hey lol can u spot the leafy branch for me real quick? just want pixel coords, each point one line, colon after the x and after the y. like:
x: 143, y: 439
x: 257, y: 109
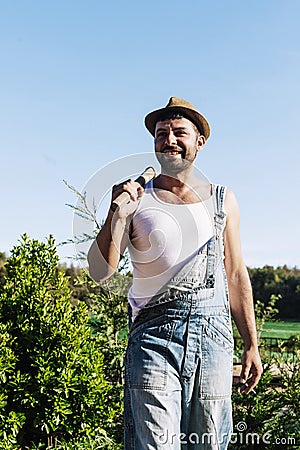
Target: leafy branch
x: 84, y: 211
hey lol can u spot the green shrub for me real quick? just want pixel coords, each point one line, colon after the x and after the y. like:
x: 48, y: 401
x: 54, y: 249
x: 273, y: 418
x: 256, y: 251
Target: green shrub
x: 269, y: 418
x: 52, y: 382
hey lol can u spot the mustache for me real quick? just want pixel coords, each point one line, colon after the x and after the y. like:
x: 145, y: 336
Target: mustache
x: 174, y: 148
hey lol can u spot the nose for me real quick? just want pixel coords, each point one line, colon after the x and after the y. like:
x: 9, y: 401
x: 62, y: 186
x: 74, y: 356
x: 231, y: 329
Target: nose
x: 171, y: 138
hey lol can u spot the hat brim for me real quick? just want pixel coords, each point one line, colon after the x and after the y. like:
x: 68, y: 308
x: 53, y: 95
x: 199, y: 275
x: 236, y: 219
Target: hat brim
x: 195, y: 117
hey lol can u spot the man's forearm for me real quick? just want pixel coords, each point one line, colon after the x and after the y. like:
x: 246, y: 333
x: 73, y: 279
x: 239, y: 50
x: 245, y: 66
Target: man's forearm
x: 104, y: 254
x: 109, y: 245
x: 241, y: 303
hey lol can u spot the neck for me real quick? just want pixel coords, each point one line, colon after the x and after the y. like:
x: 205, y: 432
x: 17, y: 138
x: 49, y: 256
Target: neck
x: 178, y: 178
x: 175, y: 182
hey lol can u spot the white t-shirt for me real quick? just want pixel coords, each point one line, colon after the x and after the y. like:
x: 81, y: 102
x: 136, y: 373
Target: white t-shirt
x: 165, y: 237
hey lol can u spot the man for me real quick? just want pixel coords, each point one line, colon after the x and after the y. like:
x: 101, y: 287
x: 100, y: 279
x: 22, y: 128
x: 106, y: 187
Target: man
x: 188, y: 274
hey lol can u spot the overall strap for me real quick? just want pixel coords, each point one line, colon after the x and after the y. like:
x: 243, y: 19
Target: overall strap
x: 215, y: 245
x: 211, y: 257
x: 219, y: 192
x: 219, y: 197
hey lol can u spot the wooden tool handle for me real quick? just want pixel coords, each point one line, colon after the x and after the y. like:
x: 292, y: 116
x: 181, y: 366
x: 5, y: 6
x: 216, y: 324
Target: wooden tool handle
x: 142, y: 179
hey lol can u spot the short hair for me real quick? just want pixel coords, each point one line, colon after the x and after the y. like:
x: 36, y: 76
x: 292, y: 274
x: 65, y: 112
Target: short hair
x: 168, y: 115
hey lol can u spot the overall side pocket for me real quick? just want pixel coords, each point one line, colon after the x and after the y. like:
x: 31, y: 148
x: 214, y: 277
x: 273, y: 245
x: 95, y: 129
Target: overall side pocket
x: 146, y: 356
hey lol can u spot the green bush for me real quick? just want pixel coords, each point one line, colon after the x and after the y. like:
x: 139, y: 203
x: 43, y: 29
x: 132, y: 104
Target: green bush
x: 269, y: 418
x: 52, y: 382
x: 109, y: 321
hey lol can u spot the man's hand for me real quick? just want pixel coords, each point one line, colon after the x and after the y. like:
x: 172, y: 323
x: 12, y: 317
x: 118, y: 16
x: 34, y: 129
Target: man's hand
x: 135, y: 192
x: 251, y: 370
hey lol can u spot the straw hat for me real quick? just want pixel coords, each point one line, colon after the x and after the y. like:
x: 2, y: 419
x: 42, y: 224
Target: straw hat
x: 178, y: 105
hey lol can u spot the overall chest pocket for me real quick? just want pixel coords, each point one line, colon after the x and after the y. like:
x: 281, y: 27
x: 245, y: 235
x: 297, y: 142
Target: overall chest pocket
x: 193, y: 274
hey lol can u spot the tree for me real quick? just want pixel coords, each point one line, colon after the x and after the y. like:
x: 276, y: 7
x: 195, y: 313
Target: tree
x: 2, y: 268
x: 52, y: 385
x: 283, y: 281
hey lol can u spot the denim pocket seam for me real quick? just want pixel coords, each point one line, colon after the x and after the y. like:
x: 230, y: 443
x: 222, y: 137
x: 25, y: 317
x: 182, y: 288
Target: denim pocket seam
x: 164, y: 373
x: 160, y: 320
x: 209, y: 389
x: 223, y: 340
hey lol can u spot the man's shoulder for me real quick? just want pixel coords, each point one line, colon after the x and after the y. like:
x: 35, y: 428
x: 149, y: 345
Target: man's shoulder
x: 230, y: 202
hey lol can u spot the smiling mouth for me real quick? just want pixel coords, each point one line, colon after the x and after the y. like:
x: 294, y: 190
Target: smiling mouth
x: 171, y: 152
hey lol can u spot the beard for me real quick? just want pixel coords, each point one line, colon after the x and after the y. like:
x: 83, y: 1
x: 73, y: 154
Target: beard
x: 175, y: 164
x: 172, y: 165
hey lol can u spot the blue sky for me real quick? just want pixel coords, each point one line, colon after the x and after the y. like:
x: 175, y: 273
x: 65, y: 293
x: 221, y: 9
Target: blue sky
x: 77, y: 79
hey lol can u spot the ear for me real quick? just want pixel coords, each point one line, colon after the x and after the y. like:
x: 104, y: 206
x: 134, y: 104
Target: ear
x: 200, y: 142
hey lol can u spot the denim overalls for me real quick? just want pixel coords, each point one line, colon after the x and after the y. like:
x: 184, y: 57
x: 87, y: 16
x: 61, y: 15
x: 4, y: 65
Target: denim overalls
x: 178, y: 369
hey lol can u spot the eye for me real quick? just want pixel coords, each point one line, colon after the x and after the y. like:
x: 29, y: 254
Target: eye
x: 161, y: 134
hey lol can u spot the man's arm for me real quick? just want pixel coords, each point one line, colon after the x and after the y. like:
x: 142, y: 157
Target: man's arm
x: 110, y: 243
x: 240, y: 293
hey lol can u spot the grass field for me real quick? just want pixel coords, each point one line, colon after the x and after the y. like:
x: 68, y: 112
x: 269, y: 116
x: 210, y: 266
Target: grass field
x: 280, y: 330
